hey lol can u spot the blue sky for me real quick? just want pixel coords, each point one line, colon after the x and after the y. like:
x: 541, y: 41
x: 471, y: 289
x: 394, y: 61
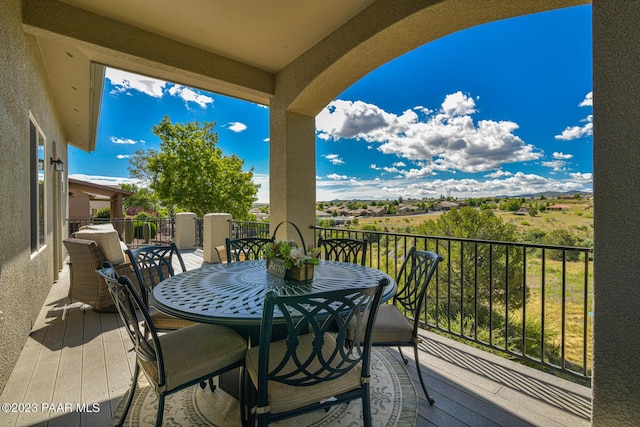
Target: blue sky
x: 499, y: 109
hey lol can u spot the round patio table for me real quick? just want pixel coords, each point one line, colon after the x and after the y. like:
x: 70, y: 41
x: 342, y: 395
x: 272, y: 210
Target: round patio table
x: 233, y: 294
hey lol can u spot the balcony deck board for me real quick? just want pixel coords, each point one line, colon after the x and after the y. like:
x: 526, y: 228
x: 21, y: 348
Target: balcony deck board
x: 75, y: 355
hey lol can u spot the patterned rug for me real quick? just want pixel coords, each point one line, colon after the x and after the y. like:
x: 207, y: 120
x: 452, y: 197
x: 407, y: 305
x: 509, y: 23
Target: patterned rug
x: 393, y: 403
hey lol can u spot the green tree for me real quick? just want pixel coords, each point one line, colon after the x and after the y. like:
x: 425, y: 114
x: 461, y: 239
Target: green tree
x: 190, y: 171
x: 143, y: 198
x: 511, y: 205
x: 488, y: 279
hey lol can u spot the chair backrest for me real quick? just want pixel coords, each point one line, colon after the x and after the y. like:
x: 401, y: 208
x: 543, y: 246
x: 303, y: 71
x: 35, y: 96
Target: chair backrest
x: 344, y: 249
x: 134, y: 314
x: 222, y: 254
x: 247, y: 248
x: 152, y: 264
x: 413, y: 279
x: 320, y: 319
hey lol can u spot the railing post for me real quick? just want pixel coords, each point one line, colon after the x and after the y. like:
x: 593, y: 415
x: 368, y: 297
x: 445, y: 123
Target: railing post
x: 216, y: 230
x: 185, y: 230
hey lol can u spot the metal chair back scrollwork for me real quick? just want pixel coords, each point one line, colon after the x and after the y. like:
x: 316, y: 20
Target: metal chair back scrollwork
x: 247, y: 248
x: 153, y: 264
x: 316, y: 366
x: 344, y: 249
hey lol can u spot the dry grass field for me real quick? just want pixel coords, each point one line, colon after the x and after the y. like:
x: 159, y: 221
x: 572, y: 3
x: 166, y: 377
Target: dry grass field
x: 578, y: 219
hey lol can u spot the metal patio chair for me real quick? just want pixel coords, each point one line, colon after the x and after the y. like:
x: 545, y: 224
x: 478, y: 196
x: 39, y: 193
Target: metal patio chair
x: 246, y: 248
x: 392, y: 327
x: 344, y: 249
x: 315, y: 366
x: 177, y: 359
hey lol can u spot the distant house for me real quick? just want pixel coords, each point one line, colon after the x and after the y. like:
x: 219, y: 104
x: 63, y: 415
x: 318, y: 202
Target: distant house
x: 445, y: 206
x: 85, y: 198
x: 377, y: 211
x: 558, y: 207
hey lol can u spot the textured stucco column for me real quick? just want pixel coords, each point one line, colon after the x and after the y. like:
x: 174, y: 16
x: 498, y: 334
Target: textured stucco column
x: 616, y: 169
x: 185, y: 230
x: 215, y: 231
x: 292, y: 172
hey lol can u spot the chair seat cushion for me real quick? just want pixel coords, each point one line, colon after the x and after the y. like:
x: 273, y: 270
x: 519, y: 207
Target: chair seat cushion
x: 391, y: 326
x: 283, y: 397
x: 163, y: 321
x: 195, y: 352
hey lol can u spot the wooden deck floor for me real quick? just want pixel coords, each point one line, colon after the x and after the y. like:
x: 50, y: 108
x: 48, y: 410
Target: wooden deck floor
x: 76, y: 356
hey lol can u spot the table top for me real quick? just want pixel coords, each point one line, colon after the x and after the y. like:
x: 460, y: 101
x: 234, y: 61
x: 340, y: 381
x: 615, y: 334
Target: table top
x: 234, y: 293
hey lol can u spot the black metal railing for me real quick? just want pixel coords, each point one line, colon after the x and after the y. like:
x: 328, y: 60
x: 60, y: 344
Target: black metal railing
x: 531, y: 301
x: 134, y: 231
x: 243, y: 229
x: 199, y: 232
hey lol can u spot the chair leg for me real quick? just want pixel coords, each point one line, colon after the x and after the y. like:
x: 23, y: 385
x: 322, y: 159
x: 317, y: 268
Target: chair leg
x: 160, y: 410
x: 132, y: 391
x: 366, y: 405
x: 419, y: 368
x: 404, y: 359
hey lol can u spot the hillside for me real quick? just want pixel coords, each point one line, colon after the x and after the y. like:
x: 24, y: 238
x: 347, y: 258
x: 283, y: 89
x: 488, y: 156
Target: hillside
x: 578, y: 220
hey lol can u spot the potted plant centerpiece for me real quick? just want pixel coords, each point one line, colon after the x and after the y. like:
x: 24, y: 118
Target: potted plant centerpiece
x: 285, y: 258
x: 296, y: 262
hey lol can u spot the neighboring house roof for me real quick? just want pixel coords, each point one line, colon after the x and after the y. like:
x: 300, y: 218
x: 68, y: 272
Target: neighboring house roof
x: 559, y: 207
x: 96, y: 189
x: 100, y: 192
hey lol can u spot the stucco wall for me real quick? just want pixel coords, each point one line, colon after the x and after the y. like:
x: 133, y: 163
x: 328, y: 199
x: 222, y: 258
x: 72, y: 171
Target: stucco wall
x: 25, y: 278
x: 616, y: 110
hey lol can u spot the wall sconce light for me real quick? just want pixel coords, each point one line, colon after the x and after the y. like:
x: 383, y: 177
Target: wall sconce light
x: 59, y: 164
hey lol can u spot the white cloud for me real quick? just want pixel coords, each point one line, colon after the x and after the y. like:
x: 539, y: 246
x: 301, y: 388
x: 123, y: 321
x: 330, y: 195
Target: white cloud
x: 189, y: 95
x: 334, y: 159
x: 556, y: 165
x: 498, y: 174
x: 237, y: 127
x: 447, y: 140
x: 516, y: 184
x: 123, y: 156
x: 267, y: 139
x: 587, y: 101
x: 337, y: 177
x: 575, y: 132
x: 562, y: 156
x: 458, y: 104
x: 125, y: 82
x: 126, y: 141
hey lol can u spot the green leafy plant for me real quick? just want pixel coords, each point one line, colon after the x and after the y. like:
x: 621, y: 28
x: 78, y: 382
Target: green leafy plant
x: 292, y: 254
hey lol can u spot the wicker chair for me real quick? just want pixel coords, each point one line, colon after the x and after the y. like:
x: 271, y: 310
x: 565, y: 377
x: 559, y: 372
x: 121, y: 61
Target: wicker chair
x: 86, y: 285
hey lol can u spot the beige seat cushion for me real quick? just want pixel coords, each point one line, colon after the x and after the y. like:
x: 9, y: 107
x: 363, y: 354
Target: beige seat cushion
x: 108, y: 242
x: 391, y: 326
x: 193, y: 352
x: 164, y: 321
x: 283, y: 397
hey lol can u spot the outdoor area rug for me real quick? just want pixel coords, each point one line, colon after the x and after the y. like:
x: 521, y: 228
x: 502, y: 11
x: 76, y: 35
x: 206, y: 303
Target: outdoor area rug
x: 393, y: 403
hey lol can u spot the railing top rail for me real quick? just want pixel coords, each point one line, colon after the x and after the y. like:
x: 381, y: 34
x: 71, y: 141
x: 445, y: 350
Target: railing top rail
x: 457, y: 239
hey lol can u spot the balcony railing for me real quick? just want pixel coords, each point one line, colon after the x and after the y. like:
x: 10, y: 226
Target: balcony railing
x: 529, y: 301
x: 135, y: 232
